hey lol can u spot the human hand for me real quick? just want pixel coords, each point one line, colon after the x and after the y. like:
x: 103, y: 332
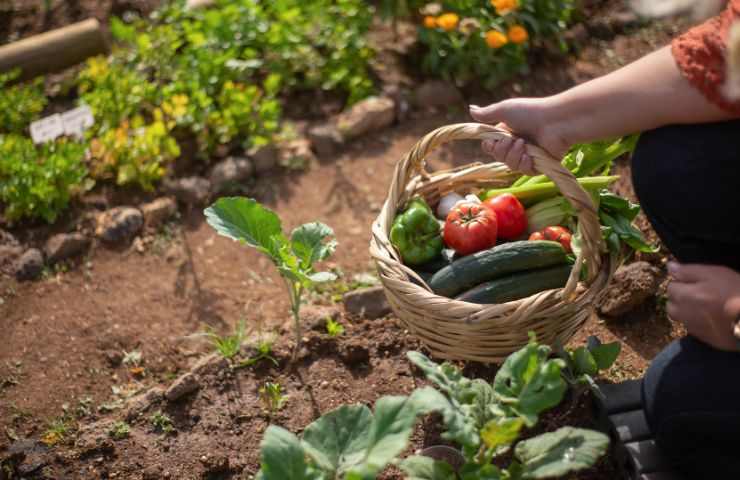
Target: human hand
x: 706, y: 299
x: 527, y: 118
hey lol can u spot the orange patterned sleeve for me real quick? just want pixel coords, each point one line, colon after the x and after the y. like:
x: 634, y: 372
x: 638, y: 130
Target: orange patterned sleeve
x: 700, y: 55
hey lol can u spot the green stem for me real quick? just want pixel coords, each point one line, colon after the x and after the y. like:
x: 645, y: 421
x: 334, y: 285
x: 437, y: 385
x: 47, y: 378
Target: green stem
x: 295, y: 307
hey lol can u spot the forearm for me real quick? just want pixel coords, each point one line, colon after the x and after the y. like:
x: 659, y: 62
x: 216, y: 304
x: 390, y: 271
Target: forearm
x: 643, y: 95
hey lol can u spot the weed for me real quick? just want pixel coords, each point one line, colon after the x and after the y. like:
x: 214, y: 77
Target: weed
x: 57, y: 431
x: 119, y: 430
x: 264, y: 352
x: 272, y: 397
x: 161, y: 422
x: 333, y: 328
x: 132, y: 358
x: 228, y: 346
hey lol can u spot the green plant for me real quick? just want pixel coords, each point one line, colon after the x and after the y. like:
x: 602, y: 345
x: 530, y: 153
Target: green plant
x: 132, y: 358
x: 272, y: 397
x: 584, y: 363
x: 19, y: 104
x: 264, y: 352
x: 334, y: 328
x: 119, y: 430
x: 38, y: 181
x: 228, y: 346
x: 57, y: 431
x: 487, y: 41
x: 161, y: 422
x: 486, y: 420
x: 249, y: 222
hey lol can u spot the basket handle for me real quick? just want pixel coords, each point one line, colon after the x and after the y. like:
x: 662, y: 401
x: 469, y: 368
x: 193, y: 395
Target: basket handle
x: 414, y: 162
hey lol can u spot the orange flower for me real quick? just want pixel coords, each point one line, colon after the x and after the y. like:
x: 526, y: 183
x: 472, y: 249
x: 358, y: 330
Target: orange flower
x: 496, y: 39
x: 505, y: 6
x: 518, y: 34
x: 430, y: 22
x: 448, y: 21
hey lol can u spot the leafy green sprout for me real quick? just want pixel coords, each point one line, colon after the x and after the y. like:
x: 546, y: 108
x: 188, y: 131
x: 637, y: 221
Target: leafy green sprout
x: 584, y: 363
x: 162, y: 422
x: 333, y: 328
x: 272, y: 396
x: 119, y: 430
x: 264, y: 352
x: 247, y: 221
x: 57, y: 431
x: 132, y: 358
x: 228, y: 346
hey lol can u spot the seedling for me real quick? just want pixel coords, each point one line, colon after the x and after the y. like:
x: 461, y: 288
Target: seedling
x: 132, y: 358
x: 162, y: 422
x: 264, y: 352
x: 584, y: 363
x: 247, y: 221
x: 229, y: 345
x: 57, y: 431
x: 484, y: 419
x: 272, y: 397
x: 119, y: 430
x: 334, y: 328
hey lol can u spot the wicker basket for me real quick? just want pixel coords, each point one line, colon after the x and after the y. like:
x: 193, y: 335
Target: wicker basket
x: 457, y: 330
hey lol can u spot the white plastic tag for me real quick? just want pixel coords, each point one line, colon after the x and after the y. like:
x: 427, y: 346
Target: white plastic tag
x: 47, y: 129
x: 78, y: 120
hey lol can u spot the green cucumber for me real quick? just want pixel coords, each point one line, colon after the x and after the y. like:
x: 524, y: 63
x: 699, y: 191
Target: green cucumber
x: 519, y: 285
x: 496, y: 262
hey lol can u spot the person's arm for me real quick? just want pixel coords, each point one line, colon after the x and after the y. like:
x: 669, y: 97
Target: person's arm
x: 643, y: 95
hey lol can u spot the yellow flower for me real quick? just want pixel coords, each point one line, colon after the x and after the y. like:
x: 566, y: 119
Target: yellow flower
x: 496, y: 39
x: 469, y: 25
x: 448, y: 21
x: 518, y: 34
x: 505, y: 6
x: 430, y: 21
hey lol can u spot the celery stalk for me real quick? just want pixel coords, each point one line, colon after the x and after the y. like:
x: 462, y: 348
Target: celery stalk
x: 531, y: 194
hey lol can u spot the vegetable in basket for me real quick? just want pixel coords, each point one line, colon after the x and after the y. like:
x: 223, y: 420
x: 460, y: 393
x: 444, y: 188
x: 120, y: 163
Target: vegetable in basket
x: 510, y: 215
x: 470, y: 227
x: 531, y: 194
x: 556, y: 234
x: 415, y: 233
x: 553, y: 211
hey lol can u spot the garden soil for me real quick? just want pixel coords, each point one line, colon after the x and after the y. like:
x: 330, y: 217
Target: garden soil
x: 64, y: 338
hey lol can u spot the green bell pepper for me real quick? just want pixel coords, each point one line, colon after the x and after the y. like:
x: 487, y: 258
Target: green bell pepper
x: 416, y: 233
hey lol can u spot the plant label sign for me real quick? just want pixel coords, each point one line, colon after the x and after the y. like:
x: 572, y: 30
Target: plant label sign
x: 78, y: 120
x: 47, y: 129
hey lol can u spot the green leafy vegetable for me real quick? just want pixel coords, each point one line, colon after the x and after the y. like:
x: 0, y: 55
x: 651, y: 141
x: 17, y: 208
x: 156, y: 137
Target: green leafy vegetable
x: 425, y: 468
x: 560, y: 452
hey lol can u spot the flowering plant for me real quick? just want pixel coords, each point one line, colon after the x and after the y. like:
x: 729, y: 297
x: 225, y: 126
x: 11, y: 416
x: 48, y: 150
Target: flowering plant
x: 487, y: 41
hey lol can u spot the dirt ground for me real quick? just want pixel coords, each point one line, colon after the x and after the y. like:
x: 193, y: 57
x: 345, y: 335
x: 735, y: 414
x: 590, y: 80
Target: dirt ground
x: 63, y: 336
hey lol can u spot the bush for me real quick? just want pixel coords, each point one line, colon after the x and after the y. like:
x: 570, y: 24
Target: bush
x: 19, y: 104
x: 488, y: 41
x: 39, y: 181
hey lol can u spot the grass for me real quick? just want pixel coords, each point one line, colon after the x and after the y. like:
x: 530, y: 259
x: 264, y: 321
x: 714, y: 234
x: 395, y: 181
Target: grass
x: 57, y: 431
x: 119, y: 430
x: 264, y: 352
x: 272, y: 396
x: 228, y: 346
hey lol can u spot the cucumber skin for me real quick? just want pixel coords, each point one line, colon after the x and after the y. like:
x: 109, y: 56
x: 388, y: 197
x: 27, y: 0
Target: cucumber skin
x: 520, y: 285
x: 496, y: 262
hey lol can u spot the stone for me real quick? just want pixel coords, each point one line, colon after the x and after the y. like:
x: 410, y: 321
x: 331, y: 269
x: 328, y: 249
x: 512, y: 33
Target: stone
x: 158, y: 211
x: 139, y: 404
x: 368, y: 302
x: 190, y: 190
x: 114, y: 357
x: 265, y: 158
x: 631, y: 286
x: 7, y: 238
x: 29, y: 265
x: 325, y: 139
x: 28, y: 456
x: 232, y: 171
x: 183, y: 385
x: 314, y: 317
x: 66, y: 245
x: 94, y: 439
x: 354, y: 351
x: 8, y: 255
x: 437, y: 94
x: 119, y: 224
x: 369, y: 115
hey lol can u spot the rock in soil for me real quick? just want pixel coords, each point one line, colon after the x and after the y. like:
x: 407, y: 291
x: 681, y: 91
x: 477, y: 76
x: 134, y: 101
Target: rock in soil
x: 139, y: 404
x: 367, y: 302
x: 210, y: 364
x: 314, y: 317
x: 94, y: 439
x: 29, y: 265
x: 369, y: 115
x: 158, y: 211
x: 119, y: 224
x: 190, y: 190
x: 182, y: 386
x: 325, y: 139
x: 437, y: 93
x: 27, y: 456
x: 8, y: 255
x: 231, y: 172
x: 7, y: 238
x: 632, y: 285
x: 354, y: 351
x: 265, y: 158
x: 66, y: 245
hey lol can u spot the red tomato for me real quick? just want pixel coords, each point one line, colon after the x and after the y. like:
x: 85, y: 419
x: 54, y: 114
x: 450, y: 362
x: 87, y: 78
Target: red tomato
x: 470, y: 227
x: 556, y: 234
x: 510, y: 215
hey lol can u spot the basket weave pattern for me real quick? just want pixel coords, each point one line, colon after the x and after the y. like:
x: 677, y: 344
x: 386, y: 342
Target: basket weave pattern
x: 457, y: 330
